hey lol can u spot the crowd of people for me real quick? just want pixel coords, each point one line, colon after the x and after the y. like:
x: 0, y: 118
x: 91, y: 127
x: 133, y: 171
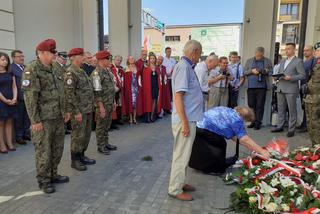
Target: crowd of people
x: 77, y: 92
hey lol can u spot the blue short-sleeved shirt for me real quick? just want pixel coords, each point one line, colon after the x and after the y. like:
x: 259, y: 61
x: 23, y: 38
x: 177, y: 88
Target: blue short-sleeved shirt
x: 223, y: 121
x: 184, y: 79
x: 237, y: 72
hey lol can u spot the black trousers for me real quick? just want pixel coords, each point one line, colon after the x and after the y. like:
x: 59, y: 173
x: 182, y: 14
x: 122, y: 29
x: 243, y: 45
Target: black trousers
x: 208, y: 152
x: 256, y: 101
x: 233, y: 97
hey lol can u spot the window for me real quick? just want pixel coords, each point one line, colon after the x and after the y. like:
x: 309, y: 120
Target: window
x: 290, y: 33
x: 172, y: 38
x: 290, y: 10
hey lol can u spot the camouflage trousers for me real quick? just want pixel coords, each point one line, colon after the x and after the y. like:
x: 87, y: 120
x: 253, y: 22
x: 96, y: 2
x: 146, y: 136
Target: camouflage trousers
x: 313, y: 121
x: 48, y: 145
x: 81, y: 133
x: 103, y: 125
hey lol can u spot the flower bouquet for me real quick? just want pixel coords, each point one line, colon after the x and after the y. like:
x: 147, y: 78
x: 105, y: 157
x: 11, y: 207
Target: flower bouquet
x: 285, y: 183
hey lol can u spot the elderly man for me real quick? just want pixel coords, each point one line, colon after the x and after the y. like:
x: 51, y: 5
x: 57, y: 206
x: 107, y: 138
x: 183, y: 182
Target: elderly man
x: 142, y: 62
x: 292, y: 71
x: 220, y: 79
x: 169, y: 63
x: 220, y: 123
x: 257, y: 70
x: 202, y: 70
x: 309, y: 63
x: 88, y: 64
x: 79, y: 104
x: 21, y: 122
x: 44, y: 99
x: 187, y: 110
x: 236, y: 71
x: 312, y: 101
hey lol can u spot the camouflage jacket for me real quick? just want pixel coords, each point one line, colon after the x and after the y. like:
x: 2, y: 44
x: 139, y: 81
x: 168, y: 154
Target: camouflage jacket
x: 106, y: 93
x: 78, y: 90
x: 314, y: 86
x: 43, y: 92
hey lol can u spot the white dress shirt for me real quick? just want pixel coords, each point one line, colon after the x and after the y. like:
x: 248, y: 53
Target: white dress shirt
x: 169, y: 63
x: 202, y: 73
x: 288, y: 60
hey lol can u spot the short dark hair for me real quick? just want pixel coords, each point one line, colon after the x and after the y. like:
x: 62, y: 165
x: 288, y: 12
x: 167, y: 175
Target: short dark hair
x: 8, y: 59
x: 292, y: 44
x: 233, y: 53
x: 13, y: 53
x: 167, y: 48
x: 223, y: 58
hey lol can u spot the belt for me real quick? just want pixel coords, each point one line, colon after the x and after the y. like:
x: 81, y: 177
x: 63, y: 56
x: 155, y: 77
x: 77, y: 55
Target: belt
x: 205, y: 93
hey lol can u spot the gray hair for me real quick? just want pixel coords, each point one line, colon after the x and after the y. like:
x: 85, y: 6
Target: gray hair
x: 192, y: 46
x: 211, y: 57
x: 260, y: 49
x: 310, y: 47
x: 118, y: 56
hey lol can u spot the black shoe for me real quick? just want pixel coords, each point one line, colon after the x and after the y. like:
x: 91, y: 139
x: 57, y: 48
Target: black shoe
x: 119, y: 122
x: 251, y: 125
x: 76, y: 164
x: 290, y: 134
x: 47, y: 188
x: 59, y: 179
x: 27, y: 138
x: 257, y: 126
x: 110, y: 147
x: 21, y: 141
x: 302, y: 129
x: 104, y: 151
x: 113, y: 126
x: 277, y: 130
x: 86, y: 161
x: 66, y: 132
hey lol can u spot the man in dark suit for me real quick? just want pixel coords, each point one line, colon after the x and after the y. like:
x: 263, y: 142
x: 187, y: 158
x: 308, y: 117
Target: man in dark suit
x: 22, y: 122
x: 292, y: 71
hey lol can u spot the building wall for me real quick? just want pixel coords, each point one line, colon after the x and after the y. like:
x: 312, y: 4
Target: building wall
x: 7, y: 29
x: 313, y: 22
x: 177, y: 47
x: 71, y: 23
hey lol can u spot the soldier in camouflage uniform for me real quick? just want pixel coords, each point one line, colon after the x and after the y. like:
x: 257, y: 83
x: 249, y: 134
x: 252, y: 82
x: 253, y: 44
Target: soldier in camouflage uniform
x: 104, y: 93
x: 79, y: 104
x: 312, y: 100
x: 44, y: 99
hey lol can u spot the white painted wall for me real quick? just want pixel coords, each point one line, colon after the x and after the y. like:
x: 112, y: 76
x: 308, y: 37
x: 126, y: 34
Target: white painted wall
x: 313, y: 23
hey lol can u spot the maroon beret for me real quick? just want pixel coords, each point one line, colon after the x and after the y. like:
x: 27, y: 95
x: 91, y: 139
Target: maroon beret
x: 75, y: 52
x: 103, y: 55
x: 47, y: 45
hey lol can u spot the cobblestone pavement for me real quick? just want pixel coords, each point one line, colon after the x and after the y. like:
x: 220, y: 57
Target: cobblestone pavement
x: 121, y: 182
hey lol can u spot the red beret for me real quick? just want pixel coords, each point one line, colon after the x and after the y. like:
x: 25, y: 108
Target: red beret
x: 103, y: 55
x: 75, y: 52
x: 47, y: 45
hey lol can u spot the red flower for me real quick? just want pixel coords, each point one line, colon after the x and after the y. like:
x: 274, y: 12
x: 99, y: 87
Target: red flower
x: 256, y: 161
x: 276, y: 194
x: 285, y: 172
x: 298, y: 157
x: 314, y: 157
x: 240, y: 179
x: 293, y: 208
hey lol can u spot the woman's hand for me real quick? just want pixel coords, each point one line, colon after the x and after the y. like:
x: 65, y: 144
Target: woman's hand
x: 78, y: 117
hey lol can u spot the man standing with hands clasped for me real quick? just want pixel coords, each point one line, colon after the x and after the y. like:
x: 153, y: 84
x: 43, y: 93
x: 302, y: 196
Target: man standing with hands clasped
x: 187, y: 110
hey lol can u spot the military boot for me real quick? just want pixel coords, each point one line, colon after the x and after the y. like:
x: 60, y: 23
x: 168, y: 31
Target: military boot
x: 75, y: 162
x: 47, y: 187
x: 85, y: 160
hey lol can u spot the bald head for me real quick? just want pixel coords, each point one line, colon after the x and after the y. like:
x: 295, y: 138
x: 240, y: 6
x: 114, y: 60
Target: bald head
x: 192, y: 50
x: 212, y: 61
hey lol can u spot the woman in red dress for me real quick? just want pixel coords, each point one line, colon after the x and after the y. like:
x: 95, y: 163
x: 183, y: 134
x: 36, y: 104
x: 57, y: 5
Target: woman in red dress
x: 166, y: 97
x: 132, y: 91
x: 152, y: 94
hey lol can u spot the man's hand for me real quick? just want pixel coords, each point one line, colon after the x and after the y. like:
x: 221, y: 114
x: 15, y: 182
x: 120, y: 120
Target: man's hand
x: 78, y: 117
x: 102, y: 112
x: 287, y: 78
x: 37, y: 127
x: 265, y: 153
x: 221, y: 77
x: 255, y: 71
x: 67, y: 117
x: 185, y: 129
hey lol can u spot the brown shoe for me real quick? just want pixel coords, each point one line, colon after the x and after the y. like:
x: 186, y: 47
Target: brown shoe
x: 183, y: 197
x: 188, y: 188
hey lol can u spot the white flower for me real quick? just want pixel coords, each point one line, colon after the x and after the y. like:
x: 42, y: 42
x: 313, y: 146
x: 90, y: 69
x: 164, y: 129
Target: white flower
x: 278, y: 200
x: 265, y: 188
x: 267, y: 164
x: 252, y: 199
x: 308, y: 170
x: 285, y: 207
x: 251, y: 190
x: 286, y: 182
x: 299, y: 200
x: 274, y: 182
x: 257, y: 171
x: 303, y: 149
x: 316, y: 165
x: 291, y: 193
x: 246, y: 173
x: 271, y: 207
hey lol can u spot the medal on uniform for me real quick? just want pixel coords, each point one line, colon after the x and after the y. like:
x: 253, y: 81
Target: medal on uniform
x: 96, y: 82
x: 69, y: 81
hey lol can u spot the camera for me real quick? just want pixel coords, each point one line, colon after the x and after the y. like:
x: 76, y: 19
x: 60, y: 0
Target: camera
x: 225, y: 73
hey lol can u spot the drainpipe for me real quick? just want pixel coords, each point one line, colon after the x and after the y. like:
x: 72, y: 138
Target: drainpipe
x: 100, y: 24
x: 303, y: 29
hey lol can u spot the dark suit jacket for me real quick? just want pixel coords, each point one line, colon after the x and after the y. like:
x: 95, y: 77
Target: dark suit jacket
x: 18, y: 72
x: 296, y: 71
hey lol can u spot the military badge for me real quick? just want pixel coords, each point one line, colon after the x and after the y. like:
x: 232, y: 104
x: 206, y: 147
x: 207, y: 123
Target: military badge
x: 25, y: 83
x: 69, y: 81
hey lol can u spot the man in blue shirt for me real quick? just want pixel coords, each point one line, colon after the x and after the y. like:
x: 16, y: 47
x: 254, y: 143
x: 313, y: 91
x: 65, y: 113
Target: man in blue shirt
x: 218, y: 124
x: 187, y: 110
